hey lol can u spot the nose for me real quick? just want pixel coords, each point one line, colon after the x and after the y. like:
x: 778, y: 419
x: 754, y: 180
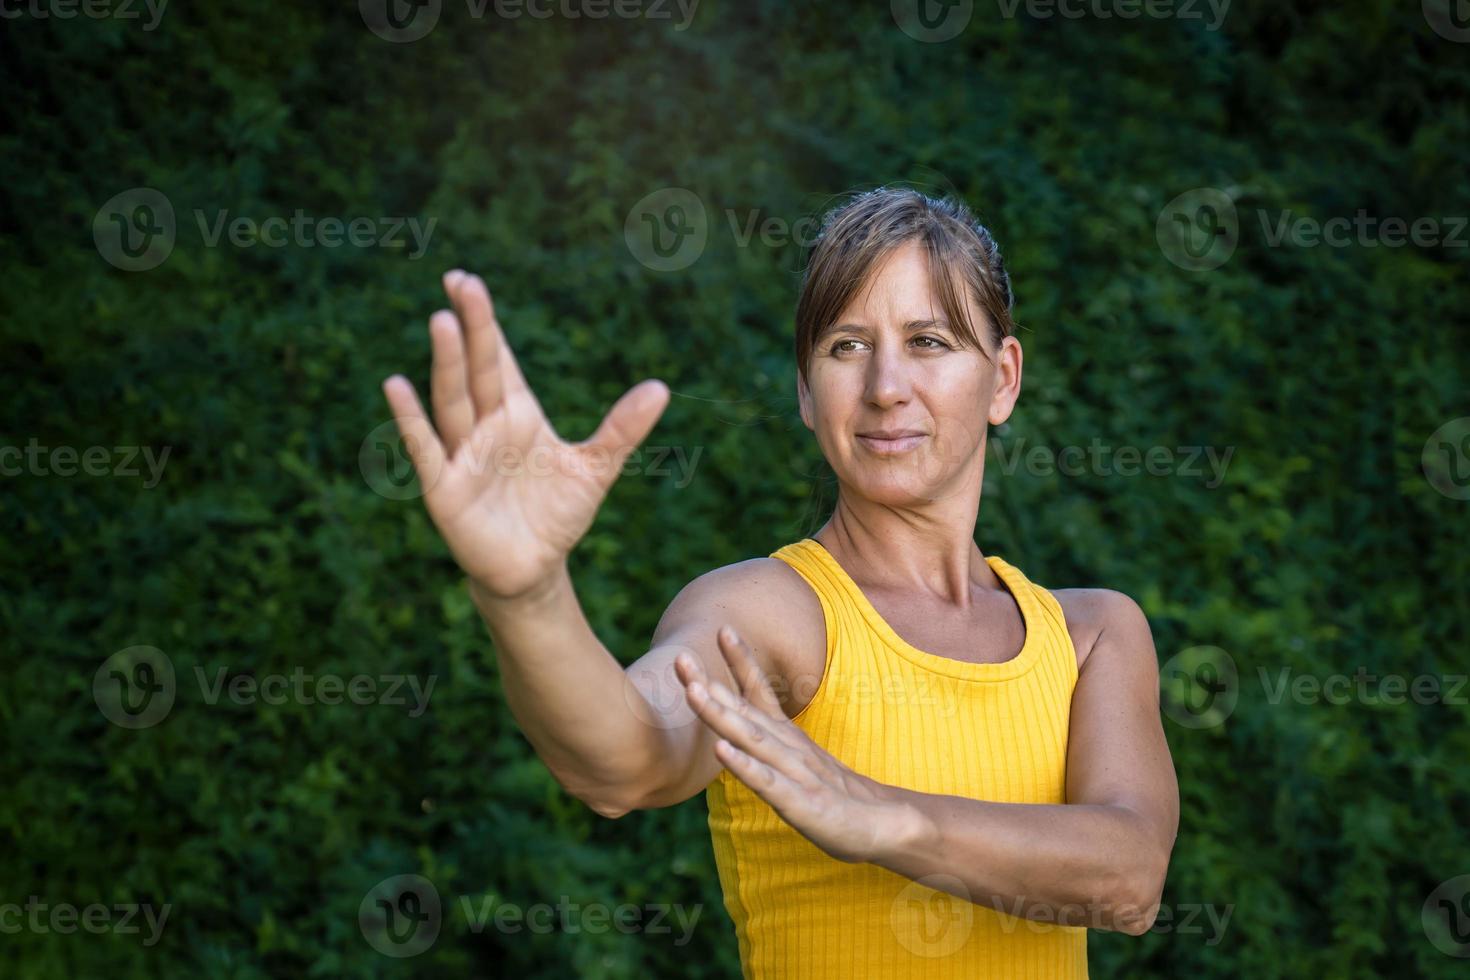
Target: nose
x: 888, y: 381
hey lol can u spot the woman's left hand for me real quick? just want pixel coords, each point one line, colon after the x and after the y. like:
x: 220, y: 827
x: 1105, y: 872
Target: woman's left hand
x: 846, y: 814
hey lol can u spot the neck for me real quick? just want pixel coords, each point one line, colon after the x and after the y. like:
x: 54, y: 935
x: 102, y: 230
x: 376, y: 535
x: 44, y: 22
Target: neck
x: 906, y: 551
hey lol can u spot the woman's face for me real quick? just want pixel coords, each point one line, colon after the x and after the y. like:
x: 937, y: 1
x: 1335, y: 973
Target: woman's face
x: 891, y: 364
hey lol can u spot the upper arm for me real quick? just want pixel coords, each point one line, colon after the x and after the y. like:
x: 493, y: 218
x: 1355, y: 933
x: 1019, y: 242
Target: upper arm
x: 1117, y: 753
x: 745, y: 595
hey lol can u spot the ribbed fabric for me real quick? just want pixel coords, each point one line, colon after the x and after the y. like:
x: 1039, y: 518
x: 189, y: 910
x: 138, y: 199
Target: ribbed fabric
x: 909, y: 718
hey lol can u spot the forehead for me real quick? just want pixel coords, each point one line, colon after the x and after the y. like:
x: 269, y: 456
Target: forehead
x: 900, y: 277
x: 898, y: 290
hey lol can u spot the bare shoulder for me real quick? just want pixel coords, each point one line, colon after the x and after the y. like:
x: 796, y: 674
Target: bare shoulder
x: 1091, y: 613
x: 768, y: 603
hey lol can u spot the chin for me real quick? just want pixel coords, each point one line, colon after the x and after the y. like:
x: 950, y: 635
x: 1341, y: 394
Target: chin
x: 905, y: 486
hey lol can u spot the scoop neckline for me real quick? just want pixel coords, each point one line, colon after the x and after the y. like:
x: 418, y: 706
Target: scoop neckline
x: 1014, y: 583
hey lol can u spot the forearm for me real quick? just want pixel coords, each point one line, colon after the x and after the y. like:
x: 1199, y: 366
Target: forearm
x: 567, y: 692
x: 1072, y: 864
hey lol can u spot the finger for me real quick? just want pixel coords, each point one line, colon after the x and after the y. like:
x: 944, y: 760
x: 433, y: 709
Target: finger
x: 626, y: 425
x: 754, y: 684
x: 454, y: 412
x: 734, y: 719
x: 771, y: 785
x: 484, y: 342
x: 690, y: 672
x: 419, y: 438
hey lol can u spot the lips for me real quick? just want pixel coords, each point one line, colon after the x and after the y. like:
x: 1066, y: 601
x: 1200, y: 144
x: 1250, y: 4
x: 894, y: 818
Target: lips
x: 890, y: 442
x: 890, y: 433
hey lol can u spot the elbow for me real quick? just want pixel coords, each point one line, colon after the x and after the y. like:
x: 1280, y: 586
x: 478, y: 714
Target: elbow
x: 610, y: 811
x: 605, y: 801
x: 1140, y: 897
x: 612, y: 800
x: 604, y: 804
x: 1134, y: 920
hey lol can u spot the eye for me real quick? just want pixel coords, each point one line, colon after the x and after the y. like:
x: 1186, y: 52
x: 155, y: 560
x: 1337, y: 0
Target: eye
x: 849, y: 340
x: 942, y: 344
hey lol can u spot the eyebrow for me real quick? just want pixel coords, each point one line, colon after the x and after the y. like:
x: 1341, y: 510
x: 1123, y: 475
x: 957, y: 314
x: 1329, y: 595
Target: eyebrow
x: 928, y: 324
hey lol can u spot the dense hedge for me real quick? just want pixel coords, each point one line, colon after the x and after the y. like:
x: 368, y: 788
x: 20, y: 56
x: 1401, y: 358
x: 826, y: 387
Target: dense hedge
x: 261, y: 549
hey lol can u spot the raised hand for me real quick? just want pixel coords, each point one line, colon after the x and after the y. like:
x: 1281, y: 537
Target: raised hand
x: 510, y: 497
x: 846, y: 814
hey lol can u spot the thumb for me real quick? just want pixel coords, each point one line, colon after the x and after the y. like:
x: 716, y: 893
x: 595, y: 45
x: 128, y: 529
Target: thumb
x: 629, y: 421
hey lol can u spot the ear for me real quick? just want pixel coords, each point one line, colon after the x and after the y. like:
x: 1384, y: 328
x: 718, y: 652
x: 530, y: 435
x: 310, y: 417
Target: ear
x: 804, y: 400
x: 1007, y: 381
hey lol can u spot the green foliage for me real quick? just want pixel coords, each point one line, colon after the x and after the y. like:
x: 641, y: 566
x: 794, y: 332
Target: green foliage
x: 262, y: 549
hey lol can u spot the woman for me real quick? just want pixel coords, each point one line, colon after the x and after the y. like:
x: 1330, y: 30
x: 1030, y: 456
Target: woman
x: 917, y: 762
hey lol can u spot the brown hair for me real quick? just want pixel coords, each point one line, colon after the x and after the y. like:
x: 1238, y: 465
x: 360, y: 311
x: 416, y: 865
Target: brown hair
x: 856, y: 235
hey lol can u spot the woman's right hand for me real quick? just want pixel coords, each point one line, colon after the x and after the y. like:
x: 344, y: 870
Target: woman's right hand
x: 509, y: 496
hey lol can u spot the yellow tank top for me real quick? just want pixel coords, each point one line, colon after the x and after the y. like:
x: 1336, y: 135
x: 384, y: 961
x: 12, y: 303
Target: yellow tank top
x: 929, y: 723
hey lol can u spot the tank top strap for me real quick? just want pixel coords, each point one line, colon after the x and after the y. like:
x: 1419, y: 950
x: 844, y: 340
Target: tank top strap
x: 841, y: 611
x: 1057, y: 651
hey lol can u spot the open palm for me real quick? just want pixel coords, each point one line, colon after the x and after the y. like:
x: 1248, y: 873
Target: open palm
x: 510, y: 497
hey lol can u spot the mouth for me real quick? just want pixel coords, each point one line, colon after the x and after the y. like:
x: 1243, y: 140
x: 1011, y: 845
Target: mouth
x: 891, y: 444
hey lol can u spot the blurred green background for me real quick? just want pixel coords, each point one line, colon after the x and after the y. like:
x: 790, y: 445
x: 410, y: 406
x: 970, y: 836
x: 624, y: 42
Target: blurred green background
x: 268, y: 543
